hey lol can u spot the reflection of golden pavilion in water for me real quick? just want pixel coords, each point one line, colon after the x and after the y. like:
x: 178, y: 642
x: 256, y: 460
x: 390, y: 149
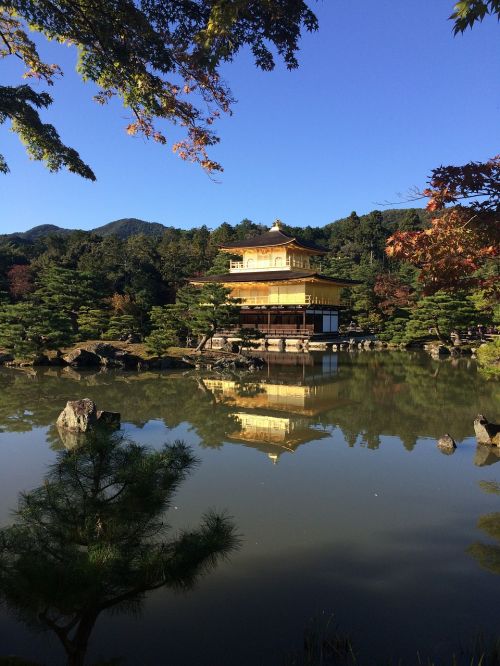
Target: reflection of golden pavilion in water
x: 274, y: 417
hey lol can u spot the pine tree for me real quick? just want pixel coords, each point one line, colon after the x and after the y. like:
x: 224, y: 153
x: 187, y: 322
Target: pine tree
x: 92, y: 323
x: 394, y: 328
x: 220, y: 263
x: 211, y: 309
x: 93, y: 538
x: 165, y: 329
x: 440, y: 314
x: 27, y: 329
x: 410, y: 221
x: 121, y: 327
x: 66, y: 290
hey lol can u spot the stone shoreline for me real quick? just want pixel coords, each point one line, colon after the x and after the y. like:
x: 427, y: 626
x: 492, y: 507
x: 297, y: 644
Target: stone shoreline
x: 224, y: 352
x: 347, y: 343
x: 132, y: 357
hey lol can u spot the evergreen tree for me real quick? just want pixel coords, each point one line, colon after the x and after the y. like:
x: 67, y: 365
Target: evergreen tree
x: 338, y: 266
x: 440, y: 314
x: 93, y: 537
x: 121, y: 327
x: 220, y: 264
x: 410, y: 221
x: 489, y: 358
x: 223, y: 234
x: 206, y: 310
x: 165, y: 329
x: 394, y: 328
x: 67, y: 291
x: 92, y: 323
x: 27, y: 329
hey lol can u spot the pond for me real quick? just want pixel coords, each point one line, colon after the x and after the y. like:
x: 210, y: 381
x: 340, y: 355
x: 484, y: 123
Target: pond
x: 327, y: 463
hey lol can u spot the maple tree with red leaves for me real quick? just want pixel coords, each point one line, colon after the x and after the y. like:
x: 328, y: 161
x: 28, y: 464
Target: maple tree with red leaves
x: 460, y: 240
x: 477, y: 181
x: 393, y: 293
x: 20, y: 279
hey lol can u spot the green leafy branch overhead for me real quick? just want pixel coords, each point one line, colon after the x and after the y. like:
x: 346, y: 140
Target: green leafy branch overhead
x: 468, y: 12
x: 161, y: 58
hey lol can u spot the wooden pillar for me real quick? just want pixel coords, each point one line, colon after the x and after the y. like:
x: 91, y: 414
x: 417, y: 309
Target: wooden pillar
x: 268, y: 320
x: 304, y: 319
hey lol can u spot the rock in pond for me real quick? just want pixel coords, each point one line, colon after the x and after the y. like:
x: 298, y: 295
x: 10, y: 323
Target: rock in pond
x: 446, y: 444
x: 83, y: 416
x: 486, y: 432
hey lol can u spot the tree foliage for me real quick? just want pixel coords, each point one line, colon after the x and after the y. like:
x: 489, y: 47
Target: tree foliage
x: 468, y: 12
x: 165, y: 325
x: 93, y: 537
x: 478, y: 182
x: 162, y: 59
x: 20, y: 279
x: 449, y: 253
x: 452, y: 253
x: 440, y: 314
x: 489, y: 358
x: 92, y: 323
x: 206, y: 310
x: 28, y: 330
x: 392, y: 293
x: 108, y: 287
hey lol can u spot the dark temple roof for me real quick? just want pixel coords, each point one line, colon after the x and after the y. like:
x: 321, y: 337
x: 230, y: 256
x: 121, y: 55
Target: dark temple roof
x: 270, y: 276
x: 271, y: 239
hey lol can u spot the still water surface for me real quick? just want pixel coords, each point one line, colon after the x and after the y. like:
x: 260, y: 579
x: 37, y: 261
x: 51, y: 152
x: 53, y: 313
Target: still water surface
x: 328, y: 465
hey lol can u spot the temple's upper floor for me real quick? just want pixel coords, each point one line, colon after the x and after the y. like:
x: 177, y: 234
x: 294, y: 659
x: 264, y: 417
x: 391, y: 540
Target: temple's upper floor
x: 272, y: 251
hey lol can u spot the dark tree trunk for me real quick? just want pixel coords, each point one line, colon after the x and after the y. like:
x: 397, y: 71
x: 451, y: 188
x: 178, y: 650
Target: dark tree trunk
x: 203, y: 342
x: 77, y: 648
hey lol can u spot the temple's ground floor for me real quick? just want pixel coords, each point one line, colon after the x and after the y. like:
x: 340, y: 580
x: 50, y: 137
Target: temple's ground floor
x: 302, y: 321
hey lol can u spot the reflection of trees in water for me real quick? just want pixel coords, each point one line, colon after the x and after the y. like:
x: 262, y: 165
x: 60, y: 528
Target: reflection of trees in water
x: 403, y: 394
x: 36, y: 400
x: 488, y: 554
x: 93, y: 538
x: 408, y: 395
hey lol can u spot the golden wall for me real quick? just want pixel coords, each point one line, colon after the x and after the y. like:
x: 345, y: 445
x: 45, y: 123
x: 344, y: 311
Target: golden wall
x: 254, y: 259
x: 307, y: 293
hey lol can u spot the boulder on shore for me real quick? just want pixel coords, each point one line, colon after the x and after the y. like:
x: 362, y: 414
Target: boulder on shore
x: 486, y: 432
x: 446, y: 444
x: 101, y: 354
x: 83, y: 416
x: 81, y: 358
x: 113, y: 357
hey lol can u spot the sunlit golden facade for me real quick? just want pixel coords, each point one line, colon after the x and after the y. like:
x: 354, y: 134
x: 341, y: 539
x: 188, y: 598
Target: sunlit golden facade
x: 280, y: 291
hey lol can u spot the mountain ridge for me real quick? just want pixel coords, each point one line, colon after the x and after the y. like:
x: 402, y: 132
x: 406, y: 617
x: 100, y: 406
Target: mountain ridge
x: 122, y: 228
x: 131, y: 226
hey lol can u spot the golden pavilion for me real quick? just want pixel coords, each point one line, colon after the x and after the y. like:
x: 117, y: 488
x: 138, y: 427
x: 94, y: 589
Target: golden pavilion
x: 280, y: 290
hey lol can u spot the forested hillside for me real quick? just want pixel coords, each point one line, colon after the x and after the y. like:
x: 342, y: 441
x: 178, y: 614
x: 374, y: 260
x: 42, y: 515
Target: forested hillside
x: 124, y: 228
x: 59, y: 285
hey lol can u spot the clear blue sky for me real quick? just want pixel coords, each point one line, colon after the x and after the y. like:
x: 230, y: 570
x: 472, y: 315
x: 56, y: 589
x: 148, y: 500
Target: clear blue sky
x: 384, y: 93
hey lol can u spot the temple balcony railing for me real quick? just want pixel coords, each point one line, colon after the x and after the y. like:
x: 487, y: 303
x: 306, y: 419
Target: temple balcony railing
x: 271, y: 329
x: 286, y: 299
x: 268, y: 265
